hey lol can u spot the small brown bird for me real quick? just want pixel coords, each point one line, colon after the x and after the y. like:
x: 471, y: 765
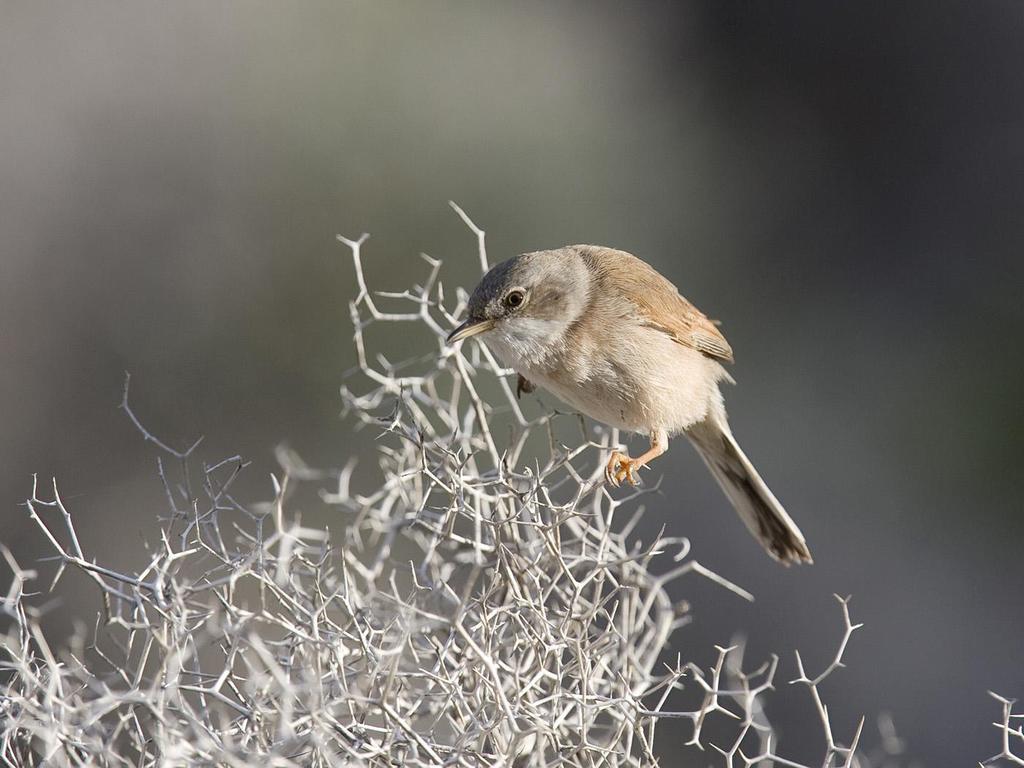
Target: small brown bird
x: 606, y: 333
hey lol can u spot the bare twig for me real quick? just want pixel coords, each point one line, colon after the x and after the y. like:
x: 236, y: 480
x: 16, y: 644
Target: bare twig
x: 483, y: 601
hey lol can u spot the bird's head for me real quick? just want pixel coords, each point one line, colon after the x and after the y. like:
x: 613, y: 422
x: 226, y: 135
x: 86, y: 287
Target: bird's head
x: 524, y: 306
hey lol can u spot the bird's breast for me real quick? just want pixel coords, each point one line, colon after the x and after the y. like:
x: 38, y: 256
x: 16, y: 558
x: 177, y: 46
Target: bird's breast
x: 639, y: 381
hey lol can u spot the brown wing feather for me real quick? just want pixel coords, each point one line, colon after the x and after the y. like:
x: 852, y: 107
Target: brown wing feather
x: 657, y: 300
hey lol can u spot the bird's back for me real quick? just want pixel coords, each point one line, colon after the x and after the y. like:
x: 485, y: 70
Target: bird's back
x: 654, y: 299
x: 648, y: 358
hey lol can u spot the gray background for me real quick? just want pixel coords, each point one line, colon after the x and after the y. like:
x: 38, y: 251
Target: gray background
x: 842, y: 183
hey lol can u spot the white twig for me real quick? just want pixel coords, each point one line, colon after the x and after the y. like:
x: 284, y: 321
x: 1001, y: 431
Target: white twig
x: 481, y: 600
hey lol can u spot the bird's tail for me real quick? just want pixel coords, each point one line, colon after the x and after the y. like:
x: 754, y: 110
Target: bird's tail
x: 756, y: 504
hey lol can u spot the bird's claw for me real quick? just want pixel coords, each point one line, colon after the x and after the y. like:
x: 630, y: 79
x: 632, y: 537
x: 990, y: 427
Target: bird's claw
x: 621, y: 467
x: 523, y: 385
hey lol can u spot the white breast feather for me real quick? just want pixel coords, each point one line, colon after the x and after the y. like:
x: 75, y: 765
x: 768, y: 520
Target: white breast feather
x: 645, y: 383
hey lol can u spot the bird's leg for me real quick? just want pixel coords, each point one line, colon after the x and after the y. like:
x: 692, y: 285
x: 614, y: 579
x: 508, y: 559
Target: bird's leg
x: 523, y: 385
x: 622, y: 467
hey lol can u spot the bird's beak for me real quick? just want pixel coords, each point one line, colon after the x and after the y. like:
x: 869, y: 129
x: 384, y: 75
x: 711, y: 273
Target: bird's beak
x: 469, y: 328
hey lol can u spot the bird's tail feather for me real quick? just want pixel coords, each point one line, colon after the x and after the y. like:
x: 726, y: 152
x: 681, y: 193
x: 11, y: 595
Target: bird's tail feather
x: 753, y: 500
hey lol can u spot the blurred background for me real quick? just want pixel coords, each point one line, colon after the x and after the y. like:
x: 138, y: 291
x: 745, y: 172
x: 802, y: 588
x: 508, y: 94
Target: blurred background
x: 841, y: 183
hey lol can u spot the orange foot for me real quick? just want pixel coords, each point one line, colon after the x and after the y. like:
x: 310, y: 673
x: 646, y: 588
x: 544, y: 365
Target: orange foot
x: 621, y: 467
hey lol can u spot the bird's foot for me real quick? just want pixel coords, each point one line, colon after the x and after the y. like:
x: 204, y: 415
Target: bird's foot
x: 622, y: 467
x: 523, y: 385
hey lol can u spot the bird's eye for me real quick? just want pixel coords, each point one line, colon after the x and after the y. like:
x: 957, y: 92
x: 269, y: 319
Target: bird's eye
x: 515, y: 299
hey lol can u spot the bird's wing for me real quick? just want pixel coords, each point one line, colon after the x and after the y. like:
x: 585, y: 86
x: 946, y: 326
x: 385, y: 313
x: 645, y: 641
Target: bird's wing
x: 686, y: 324
x: 658, y: 301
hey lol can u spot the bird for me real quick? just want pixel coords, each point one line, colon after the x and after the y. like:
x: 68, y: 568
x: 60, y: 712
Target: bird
x: 607, y: 334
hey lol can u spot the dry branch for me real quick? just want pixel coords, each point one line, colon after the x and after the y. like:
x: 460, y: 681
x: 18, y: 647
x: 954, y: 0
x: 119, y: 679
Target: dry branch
x: 484, y: 603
